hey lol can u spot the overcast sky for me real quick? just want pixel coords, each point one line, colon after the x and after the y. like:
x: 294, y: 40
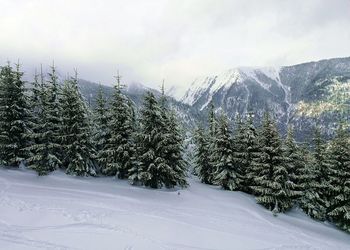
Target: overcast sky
x: 177, y: 40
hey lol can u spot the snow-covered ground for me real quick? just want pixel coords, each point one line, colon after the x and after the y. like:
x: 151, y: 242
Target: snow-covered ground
x: 63, y: 212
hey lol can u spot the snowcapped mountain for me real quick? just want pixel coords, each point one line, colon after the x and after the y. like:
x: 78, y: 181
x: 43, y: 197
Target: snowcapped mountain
x: 209, y: 86
x: 286, y: 91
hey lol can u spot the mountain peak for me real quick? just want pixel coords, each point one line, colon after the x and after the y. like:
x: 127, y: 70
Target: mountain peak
x: 212, y: 84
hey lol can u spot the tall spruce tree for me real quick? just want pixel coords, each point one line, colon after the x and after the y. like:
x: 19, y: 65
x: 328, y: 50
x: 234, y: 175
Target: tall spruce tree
x: 212, y: 122
x: 339, y: 209
x: 101, y: 129
x: 76, y: 132
x: 119, y: 150
x: 54, y: 113
x: 245, y: 151
x: 152, y: 169
x: 315, y: 200
x: 312, y: 202
x: 203, y: 167
x: 296, y: 165
x: 35, y: 110
x: 322, y: 166
x: 225, y: 173
x: 46, y: 149
x: 172, y: 144
x: 271, y: 185
x: 14, y: 112
x: 238, y: 152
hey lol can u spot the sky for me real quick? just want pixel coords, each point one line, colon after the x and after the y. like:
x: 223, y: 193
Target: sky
x: 177, y: 40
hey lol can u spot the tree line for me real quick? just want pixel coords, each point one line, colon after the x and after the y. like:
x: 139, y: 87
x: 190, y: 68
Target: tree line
x: 280, y: 173
x: 49, y: 127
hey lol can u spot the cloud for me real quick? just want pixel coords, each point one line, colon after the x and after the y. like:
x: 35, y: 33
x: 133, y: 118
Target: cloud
x: 176, y: 40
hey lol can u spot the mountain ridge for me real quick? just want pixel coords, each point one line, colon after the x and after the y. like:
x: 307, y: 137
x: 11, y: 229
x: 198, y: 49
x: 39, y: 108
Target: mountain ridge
x: 282, y: 90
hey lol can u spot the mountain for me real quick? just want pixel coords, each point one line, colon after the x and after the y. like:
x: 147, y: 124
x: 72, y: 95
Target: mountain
x: 299, y: 95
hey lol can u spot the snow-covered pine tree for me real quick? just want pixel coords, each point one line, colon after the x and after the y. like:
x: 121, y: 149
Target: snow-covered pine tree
x: 212, y: 122
x: 78, y: 151
x: 316, y: 196
x: 203, y: 167
x: 101, y: 130
x: 339, y: 209
x: 172, y: 146
x: 322, y: 165
x: 54, y: 113
x: 34, y: 110
x: 46, y: 149
x: 153, y: 169
x: 245, y: 150
x: 296, y: 165
x: 225, y: 173
x: 135, y: 172
x: 271, y: 185
x: 238, y: 152
x: 311, y: 201
x: 120, y: 149
x: 15, y: 117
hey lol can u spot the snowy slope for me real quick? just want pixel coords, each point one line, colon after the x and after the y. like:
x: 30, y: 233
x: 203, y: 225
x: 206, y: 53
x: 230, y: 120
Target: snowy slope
x: 62, y: 212
x: 225, y: 80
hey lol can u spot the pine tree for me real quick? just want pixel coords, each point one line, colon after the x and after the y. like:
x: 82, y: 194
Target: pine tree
x: 152, y: 169
x: 46, y: 149
x: 203, y: 167
x: 316, y: 196
x: 172, y: 145
x: 54, y: 113
x: 212, y: 121
x: 14, y: 112
x: 245, y: 151
x: 34, y: 110
x: 101, y: 133
x: 238, y: 152
x: 76, y: 132
x: 312, y: 201
x: 119, y: 149
x: 296, y: 165
x: 271, y: 185
x: 222, y: 160
x: 322, y: 166
x: 339, y: 210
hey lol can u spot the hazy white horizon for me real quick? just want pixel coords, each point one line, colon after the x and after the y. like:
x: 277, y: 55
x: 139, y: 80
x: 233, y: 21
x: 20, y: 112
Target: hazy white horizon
x: 173, y: 40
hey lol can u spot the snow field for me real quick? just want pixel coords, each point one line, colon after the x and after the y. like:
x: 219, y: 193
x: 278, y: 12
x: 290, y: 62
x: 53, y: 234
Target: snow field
x: 64, y: 212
